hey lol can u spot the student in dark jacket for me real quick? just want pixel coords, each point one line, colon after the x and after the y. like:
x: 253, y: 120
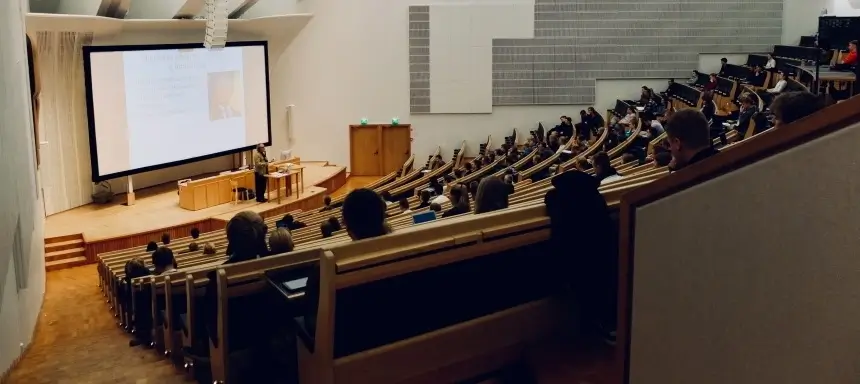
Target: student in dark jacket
x: 602, y: 166
x: 459, y: 200
x: 689, y: 138
x: 565, y: 128
x: 757, y: 77
x: 579, y: 215
x: 748, y: 109
x: 291, y: 223
x: 596, y: 120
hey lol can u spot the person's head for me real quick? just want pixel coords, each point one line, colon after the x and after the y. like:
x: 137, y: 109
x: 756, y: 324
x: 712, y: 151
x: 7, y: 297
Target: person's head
x: 687, y: 134
x: 627, y: 158
x: 492, y: 195
x: 723, y: 61
x: 458, y: 173
x: 151, y: 246
x: 536, y: 158
x: 509, y: 179
x: 135, y: 268
x: 671, y: 81
x: 404, y: 204
x: 582, y: 113
x: 424, y: 196
x: 746, y: 101
x: 193, y: 246
x: 281, y: 241
x: 386, y: 196
x: 165, y: 238
x: 630, y: 111
x: 246, y: 235
x: 852, y: 46
x: 780, y: 75
x: 208, y: 249
x: 601, y: 162
x: 439, y: 158
x: 435, y: 207
x: 756, y: 68
x: 789, y: 107
x: 195, y: 233
x: 487, y: 160
x: 662, y: 158
x: 583, y: 165
x: 770, y: 56
x: 459, y: 195
x: 473, y: 188
x: 288, y: 219
x: 468, y: 167
x: 591, y: 111
x: 261, y: 148
x: 364, y: 214
x: 326, y: 229
x: 162, y: 259
x: 334, y: 223
x: 327, y: 200
x: 221, y: 85
x: 713, y: 77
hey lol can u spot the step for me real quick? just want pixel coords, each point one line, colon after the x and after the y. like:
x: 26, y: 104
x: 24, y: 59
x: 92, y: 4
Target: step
x: 64, y: 245
x: 63, y: 238
x: 64, y: 254
x: 65, y: 263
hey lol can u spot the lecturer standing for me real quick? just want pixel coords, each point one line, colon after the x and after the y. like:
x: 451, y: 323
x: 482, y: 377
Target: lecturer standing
x: 261, y: 168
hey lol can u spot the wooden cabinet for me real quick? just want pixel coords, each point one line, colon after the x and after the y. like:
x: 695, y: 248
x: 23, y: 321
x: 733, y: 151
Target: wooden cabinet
x: 378, y: 149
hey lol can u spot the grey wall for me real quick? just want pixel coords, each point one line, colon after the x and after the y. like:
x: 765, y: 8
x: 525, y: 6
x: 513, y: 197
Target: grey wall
x: 22, y: 275
x: 752, y: 277
x: 578, y: 41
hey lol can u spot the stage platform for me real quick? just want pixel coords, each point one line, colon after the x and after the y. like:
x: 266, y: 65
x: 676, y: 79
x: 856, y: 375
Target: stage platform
x: 157, y: 210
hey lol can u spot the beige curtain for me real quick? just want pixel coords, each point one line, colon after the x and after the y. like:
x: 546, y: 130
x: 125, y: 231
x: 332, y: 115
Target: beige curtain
x: 64, y: 138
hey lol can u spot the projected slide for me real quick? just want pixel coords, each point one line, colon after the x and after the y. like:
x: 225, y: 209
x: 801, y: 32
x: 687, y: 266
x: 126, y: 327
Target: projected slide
x: 155, y: 108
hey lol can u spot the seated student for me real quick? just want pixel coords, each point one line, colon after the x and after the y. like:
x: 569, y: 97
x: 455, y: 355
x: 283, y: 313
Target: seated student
x: 771, y: 62
x: 596, y: 120
x: 163, y: 261
x: 582, y: 165
x: 435, y: 207
x: 709, y: 110
x: 748, y: 109
x: 208, y: 249
x: 565, y: 128
x: 767, y: 95
x: 404, y: 206
x: 135, y: 268
x: 792, y: 106
x: 850, y: 60
x: 541, y: 174
x: 629, y: 121
x: 459, y: 200
x: 165, y: 239
x: 364, y: 215
x: 602, y: 166
x: 334, y: 223
x: 509, y: 181
x: 646, y: 95
x: 193, y: 246
x: 492, y: 195
x: 689, y: 138
x: 437, y: 162
x: 291, y: 223
x: 711, y: 85
x: 326, y: 229
x: 723, y: 63
x: 757, y: 77
x: 583, y: 127
x: 246, y: 237
x: 662, y: 159
x: 467, y: 169
x: 327, y: 204
x: 151, y: 246
x: 280, y: 241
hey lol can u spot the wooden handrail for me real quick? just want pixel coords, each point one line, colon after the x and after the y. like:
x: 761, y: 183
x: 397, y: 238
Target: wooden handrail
x: 762, y: 146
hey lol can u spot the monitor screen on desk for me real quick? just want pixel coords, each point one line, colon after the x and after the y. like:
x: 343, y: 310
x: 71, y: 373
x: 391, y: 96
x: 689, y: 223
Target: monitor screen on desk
x: 157, y: 106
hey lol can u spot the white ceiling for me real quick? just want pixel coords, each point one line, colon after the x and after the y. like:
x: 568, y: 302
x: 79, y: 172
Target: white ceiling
x: 157, y: 9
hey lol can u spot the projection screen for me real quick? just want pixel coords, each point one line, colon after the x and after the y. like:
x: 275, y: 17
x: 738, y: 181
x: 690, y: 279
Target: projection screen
x: 157, y: 106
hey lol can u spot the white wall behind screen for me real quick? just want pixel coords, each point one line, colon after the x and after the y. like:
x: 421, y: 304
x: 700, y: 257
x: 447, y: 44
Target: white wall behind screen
x: 843, y: 7
x: 461, y: 47
x: 800, y: 18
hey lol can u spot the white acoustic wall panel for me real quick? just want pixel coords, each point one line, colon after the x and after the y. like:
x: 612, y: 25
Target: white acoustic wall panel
x: 461, y: 47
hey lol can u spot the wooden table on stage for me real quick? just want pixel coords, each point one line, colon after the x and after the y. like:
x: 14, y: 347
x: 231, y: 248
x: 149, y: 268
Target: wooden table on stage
x: 215, y: 190
x: 827, y: 75
x: 296, y: 172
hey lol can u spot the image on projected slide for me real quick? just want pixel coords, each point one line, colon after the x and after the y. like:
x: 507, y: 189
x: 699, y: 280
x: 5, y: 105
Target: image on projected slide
x: 225, y: 95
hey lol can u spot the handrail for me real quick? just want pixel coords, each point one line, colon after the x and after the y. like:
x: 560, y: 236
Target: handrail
x: 458, y: 162
x: 764, y: 145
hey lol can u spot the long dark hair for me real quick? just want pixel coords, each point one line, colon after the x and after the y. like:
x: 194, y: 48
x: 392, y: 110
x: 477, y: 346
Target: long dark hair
x: 492, y: 195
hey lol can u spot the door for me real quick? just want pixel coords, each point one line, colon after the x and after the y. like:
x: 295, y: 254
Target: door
x: 364, y: 156
x: 396, y: 147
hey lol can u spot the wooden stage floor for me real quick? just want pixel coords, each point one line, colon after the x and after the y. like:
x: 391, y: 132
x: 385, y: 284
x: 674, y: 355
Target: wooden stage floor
x: 158, y: 207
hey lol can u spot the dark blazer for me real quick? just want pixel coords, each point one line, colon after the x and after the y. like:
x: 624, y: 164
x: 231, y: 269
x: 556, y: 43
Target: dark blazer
x: 456, y: 210
x: 744, y: 119
x: 757, y: 80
